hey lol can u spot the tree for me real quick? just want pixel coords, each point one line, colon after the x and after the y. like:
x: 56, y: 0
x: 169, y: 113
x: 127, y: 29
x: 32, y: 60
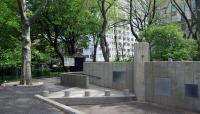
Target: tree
x: 168, y: 42
x: 104, y: 6
x: 193, y: 21
x: 26, y: 22
x: 67, y: 25
x: 142, y: 14
x: 9, y: 32
x: 117, y: 20
x: 95, y: 26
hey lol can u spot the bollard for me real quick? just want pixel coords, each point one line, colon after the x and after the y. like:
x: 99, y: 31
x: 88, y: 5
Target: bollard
x: 170, y: 59
x: 45, y: 93
x: 87, y: 93
x: 126, y: 92
x: 67, y: 93
x: 107, y: 93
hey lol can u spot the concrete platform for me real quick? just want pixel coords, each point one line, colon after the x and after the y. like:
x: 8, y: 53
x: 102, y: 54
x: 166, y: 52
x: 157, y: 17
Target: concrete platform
x: 95, y: 95
x: 95, y: 91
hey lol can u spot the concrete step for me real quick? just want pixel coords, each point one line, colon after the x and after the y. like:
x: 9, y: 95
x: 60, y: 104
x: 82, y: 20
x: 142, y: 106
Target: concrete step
x: 93, y: 95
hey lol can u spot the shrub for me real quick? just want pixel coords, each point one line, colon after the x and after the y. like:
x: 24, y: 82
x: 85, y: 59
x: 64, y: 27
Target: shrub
x: 168, y: 42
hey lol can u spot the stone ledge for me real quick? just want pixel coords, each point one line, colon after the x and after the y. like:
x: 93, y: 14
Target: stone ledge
x: 94, y: 100
x: 62, y: 107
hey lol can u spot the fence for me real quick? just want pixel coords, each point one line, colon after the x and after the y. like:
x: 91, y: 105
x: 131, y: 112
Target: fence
x: 9, y: 72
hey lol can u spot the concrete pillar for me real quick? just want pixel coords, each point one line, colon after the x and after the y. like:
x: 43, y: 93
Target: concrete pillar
x: 87, y: 93
x: 67, y: 93
x: 45, y: 93
x: 126, y: 92
x: 107, y: 92
x: 141, y: 55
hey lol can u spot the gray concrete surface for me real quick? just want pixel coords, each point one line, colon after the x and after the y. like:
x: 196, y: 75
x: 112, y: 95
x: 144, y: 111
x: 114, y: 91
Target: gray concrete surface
x: 20, y: 100
x: 129, y: 108
x: 165, y: 83
x: 64, y: 108
x: 101, y: 73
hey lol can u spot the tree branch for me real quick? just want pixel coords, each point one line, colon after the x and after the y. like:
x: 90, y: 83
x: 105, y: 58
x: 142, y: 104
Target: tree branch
x: 21, y: 4
x: 38, y: 11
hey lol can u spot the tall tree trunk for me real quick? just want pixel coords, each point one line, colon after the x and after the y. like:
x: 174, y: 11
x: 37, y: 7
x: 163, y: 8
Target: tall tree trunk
x: 116, y: 43
x: 95, y: 44
x: 105, y: 50
x: 95, y: 54
x: 131, y: 23
x: 103, y: 42
x: 26, y: 54
x: 26, y: 77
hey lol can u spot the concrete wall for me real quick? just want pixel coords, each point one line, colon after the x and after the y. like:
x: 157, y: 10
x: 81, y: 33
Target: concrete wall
x: 75, y: 80
x: 101, y: 74
x: 165, y: 83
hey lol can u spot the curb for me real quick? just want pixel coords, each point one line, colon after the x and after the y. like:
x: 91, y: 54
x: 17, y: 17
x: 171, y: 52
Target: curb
x: 60, y: 106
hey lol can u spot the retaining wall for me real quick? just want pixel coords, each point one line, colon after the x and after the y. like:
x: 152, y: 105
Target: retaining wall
x: 75, y: 80
x: 174, y: 84
x: 111, y: 75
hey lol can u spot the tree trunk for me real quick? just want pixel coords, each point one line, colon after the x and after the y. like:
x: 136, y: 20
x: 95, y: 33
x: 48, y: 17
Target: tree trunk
x: 198, y: 28
x: 95, y: 44
x: 95, y: 54
x: 102, y: 35
x: 26, y: 77
x: 26, y: 54
x: 116, y: 45
x: 131, y: 23
x: 105, y: 51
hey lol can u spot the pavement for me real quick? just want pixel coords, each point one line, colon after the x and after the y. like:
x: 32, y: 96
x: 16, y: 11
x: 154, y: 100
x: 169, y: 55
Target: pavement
x: 129, y: 108
x: 21, y: 100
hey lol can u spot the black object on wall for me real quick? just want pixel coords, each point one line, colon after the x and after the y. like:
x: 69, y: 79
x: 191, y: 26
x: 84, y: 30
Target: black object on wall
x: 191, y: 90
x: 78, y: 64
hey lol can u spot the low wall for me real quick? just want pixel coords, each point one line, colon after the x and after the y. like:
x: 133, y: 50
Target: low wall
x: 75, y: 80
x: 111, y: 75
x: 174, y: 84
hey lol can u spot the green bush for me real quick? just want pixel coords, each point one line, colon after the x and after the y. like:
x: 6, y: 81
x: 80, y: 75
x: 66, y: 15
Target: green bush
x: 168, y: 42
x: 129, y: 59
x: 40, y: 72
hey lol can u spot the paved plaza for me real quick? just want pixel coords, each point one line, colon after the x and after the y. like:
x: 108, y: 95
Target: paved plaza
x: 21, y: 100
